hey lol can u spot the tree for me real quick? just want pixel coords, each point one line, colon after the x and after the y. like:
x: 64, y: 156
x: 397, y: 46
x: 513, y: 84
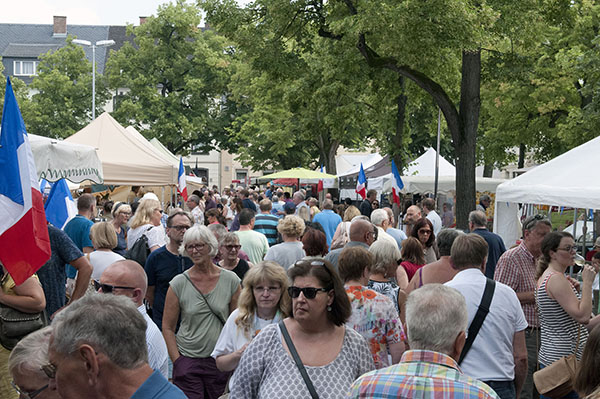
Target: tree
x: 175, y: 78
x: 61, y: 103
x: 19, y: 88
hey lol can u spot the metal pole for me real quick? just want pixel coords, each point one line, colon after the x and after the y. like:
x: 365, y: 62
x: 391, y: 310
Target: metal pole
x: 93, y: 81
x: 437, y: 157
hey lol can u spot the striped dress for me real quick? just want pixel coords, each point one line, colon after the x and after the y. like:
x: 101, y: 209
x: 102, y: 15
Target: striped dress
x: 559, y: 330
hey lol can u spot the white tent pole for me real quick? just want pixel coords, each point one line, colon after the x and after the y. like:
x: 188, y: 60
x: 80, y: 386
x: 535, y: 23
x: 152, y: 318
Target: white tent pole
x: 437, y: 157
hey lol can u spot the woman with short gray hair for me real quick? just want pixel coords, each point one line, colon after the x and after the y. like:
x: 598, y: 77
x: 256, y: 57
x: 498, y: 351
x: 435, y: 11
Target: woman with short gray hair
x: 204, y: 296
x: 385, y: 270
x: 25, y: 366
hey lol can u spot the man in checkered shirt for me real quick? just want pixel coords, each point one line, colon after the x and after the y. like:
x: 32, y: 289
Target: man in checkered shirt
x: 516, y: 268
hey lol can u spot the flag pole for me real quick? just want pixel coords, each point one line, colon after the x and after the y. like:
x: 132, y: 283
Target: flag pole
x: 437, y: 157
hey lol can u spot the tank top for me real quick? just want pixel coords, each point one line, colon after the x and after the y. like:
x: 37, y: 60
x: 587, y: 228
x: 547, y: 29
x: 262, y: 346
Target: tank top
x: 559, y: 330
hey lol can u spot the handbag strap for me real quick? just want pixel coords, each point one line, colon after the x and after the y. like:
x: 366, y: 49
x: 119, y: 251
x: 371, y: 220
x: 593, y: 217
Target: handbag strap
x: 205, y: 300
x: 482, y: 311
x: 292, y: 348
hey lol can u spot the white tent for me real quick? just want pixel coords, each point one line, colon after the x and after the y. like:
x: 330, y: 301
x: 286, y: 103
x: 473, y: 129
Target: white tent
x: 567, y: 180
x: 348, y: 164
x: 125, y: 160
x: 152, y: 147
x: 161, y: 147
x: 55, y: 160
x: 426, y: 184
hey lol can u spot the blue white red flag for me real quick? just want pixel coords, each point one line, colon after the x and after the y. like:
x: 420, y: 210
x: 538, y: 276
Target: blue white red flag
x: 181, y: 185
x: 24, y: 242
x: 60, y: 207
x: 361, y: 183
x: 397, y: 183
x: 320, y: 185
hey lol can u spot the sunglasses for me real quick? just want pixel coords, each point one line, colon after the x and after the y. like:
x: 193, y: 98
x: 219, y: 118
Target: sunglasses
x: 107, y: 288
x: 309, y: 292
x: 424, y: 231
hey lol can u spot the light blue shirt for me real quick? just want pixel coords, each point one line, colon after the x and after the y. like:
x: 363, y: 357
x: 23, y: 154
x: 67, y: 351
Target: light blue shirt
x: 329, y: 220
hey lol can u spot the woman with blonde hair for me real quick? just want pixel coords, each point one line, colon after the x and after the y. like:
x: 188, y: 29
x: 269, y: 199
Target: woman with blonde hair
x: 342, y: 233
x: 291, y: 249
x: 264, y: 300
x: 104, y: 239
x: 121, y: 212
x: 146, y: 221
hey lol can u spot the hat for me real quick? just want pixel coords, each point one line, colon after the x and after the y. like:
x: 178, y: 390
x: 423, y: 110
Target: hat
x: 150, y: 195
x: 289, y: 206
x: 597, y: 243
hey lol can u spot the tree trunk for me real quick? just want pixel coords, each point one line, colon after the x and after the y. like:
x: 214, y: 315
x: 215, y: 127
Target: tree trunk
x: 465, y: 145
x: 488, y: 170
x: 522, y: 150
x: 397, y: 138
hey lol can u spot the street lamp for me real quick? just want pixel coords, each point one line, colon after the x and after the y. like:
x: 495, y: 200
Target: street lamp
x: 100, y: 43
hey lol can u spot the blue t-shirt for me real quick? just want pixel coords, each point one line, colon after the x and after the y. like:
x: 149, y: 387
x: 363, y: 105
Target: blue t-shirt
x: 495, y: 249
x: 52, y: 274
x: 157, y: 387
x: 329, y: 220
x: 78, y: 230
x: 161, y: 266
x: 121, y: 247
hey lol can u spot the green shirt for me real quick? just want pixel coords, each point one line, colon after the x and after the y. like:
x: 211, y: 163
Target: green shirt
x: 254, y: 244
x: 200, y: 327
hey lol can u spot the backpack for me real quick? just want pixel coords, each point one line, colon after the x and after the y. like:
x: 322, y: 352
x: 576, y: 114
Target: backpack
x: 140, y: 250
x: 342, y: 239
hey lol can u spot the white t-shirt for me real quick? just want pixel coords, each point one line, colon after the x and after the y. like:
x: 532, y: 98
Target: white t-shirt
x: 233, y: 338
x: 100, y: 260
x: 491, y: 356
x: 158, y: 356
x: 156, y: 235
x: 436, y: 221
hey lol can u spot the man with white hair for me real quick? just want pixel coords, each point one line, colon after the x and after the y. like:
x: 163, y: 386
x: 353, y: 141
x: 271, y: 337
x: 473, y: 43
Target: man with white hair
x: 298, y: 200
x: 436, y: 320
x: 127, y: 278
x: 380, y: 218
x: 193, y: 203
x: 98, y: 350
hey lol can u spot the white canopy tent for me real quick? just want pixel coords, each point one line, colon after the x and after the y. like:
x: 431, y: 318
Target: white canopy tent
x: 55, y: 160
x: 125, y: 160
x: 425, y: 184
x: 567, y: 180
x: 152, y: 147
x: 161, y: 147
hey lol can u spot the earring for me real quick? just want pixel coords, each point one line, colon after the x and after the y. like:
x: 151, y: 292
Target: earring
x: 329, y: 308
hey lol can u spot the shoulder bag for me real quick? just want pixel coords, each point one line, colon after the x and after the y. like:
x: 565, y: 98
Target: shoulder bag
x: 294, y: 353
x: 482, y: 312
x: 205, y: 300
x: 140, y: 250
x: 556, y: 380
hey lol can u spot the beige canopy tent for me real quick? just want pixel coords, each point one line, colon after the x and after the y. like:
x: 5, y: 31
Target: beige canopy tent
x: 125, y: 160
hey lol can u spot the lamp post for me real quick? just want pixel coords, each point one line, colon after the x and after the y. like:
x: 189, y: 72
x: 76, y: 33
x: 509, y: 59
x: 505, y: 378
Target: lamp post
x: 100, y: 43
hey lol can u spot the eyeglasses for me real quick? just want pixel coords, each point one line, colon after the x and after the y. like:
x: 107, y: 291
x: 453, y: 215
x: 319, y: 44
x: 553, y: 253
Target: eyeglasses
x: 230, y: 247
x: 260, y: 289
x: 309, y: 292
x: 180, y: 228
x: 50, y: 370
x: 27, y: 395
x: 194, y: 247
x: 424, y: 231
x: 568, y: 248
x: 159, y: 210
x: 125, y: 213
x: 107, y: 288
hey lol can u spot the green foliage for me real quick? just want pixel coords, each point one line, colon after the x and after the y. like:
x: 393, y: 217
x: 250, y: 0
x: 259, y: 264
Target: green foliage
x: 19, y: 88
x: 62, y: 100
x: 174, y: 80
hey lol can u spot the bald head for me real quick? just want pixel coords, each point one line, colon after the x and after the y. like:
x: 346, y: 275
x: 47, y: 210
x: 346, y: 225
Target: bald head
x: 413, y: 213
x: 126, y: 273
x: 360, y: 229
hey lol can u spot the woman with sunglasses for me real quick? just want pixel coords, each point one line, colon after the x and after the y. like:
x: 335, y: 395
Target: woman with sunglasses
x: 264, y: 300
x: 146, y: 221
x: 25, y: 367
x: 204, y: 296
x: 121, y: 212
x: 565, y: 314
x: 423, y: 231
x: 229, y: 249
x: 332, y: 355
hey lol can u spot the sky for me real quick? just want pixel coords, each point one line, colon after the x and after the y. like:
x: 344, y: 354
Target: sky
x: 78, y: 12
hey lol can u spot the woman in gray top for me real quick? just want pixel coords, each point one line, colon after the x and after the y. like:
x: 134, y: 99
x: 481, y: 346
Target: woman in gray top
x: 333, y: 355
x: 290, y: 250
x: 203, y: 296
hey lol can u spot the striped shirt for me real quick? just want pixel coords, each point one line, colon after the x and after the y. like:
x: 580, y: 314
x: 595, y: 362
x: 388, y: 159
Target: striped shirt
x: 516, y: 268
x: 267, y: 224
x: 420, y: 374
x: 559, y: 330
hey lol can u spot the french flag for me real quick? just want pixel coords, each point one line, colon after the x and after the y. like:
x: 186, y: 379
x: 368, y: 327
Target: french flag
x: 181, y: 187
x: 361, y: 183
x: 320, y: 185
x: 24, y: 241
x: 397, y: 183
x: 59, y: 206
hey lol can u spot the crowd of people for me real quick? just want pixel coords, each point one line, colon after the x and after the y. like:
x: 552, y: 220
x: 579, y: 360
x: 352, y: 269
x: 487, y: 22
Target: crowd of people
x: 250, y: 293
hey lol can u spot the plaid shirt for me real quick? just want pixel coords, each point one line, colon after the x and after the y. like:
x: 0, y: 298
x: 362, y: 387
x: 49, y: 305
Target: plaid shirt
x: 420, y: 374
x: 516, y: 268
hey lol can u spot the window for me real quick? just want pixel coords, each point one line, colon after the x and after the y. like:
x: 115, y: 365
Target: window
x: 25, y: 68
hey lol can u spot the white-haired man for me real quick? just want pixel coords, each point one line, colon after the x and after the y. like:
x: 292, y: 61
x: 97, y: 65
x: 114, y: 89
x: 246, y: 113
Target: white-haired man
x: 380, y: 218
x: 436, y: 320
